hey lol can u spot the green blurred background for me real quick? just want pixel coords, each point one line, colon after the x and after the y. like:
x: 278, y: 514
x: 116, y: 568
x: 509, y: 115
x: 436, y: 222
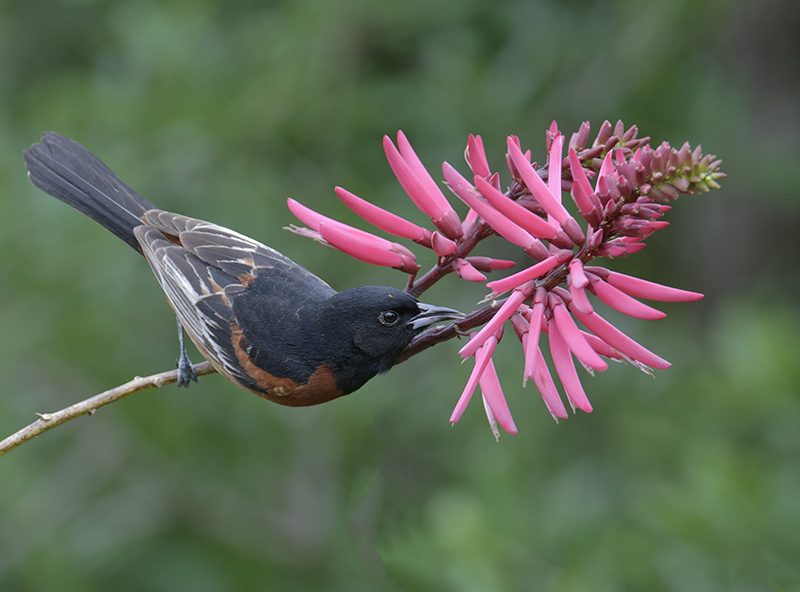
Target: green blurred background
x: 222, y: 109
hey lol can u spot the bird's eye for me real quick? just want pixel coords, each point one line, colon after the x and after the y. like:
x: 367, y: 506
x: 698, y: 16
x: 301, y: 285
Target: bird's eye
x: 389, y: 318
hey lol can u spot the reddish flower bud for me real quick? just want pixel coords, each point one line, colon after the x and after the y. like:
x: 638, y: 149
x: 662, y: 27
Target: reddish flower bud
x: 604, y: 133
x: 573, y: 230
x: 579, y: 139
x: 489, y: 264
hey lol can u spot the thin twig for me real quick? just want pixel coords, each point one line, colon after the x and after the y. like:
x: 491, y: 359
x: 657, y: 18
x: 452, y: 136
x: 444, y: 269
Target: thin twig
x: 47, y: 421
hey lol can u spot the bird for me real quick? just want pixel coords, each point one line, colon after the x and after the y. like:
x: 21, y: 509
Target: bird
x: 264, y: 322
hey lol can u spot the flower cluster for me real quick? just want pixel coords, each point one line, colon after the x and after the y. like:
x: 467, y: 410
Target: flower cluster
x: 621, y: 188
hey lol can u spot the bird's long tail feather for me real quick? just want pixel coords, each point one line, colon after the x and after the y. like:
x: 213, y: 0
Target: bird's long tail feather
x: 67, y: 171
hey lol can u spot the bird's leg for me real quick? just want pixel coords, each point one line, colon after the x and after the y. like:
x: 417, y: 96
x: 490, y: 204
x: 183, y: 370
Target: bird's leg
x: 186, y: 371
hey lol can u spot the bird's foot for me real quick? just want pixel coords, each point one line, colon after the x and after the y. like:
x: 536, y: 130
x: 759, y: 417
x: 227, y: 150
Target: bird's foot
x: 186, y: 373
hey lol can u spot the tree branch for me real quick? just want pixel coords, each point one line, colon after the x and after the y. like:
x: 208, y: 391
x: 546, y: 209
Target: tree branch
x: 47, y: 421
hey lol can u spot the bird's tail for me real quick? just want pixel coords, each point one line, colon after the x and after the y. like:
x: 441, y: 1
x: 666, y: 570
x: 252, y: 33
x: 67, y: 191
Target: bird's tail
x: 66, y: 170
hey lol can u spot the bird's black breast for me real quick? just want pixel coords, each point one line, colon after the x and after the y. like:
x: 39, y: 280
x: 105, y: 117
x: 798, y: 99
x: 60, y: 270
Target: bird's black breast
x: 276, y: 313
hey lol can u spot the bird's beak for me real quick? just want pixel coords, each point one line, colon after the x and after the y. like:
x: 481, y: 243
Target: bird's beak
x: 429, y: 314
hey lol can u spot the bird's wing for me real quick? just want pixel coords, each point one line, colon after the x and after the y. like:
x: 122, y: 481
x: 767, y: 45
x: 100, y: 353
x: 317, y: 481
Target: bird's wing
x: 202, y: 267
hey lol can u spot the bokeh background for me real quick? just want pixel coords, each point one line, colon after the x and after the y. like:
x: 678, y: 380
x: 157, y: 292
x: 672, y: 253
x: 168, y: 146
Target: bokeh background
x: 222, y: 109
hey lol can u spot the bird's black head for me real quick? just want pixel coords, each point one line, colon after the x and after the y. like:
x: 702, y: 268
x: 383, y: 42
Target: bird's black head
x: 367, y: 328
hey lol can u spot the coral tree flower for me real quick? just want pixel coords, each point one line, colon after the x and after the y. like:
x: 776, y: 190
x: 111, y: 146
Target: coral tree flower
x: 620, y: 188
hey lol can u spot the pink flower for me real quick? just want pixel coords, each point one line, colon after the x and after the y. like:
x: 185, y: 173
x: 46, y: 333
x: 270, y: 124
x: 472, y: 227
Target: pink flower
x: 362, y: 245
x: 384, y: 220
x: 509, y: 230
x: 619, y: 186
x: 485, y: 375
x: 421, y: 187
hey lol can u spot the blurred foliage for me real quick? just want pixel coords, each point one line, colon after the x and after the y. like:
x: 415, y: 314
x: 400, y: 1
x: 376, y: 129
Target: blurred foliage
x: 689, y: 481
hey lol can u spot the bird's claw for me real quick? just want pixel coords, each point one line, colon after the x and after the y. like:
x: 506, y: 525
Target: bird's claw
x: 186, y: 373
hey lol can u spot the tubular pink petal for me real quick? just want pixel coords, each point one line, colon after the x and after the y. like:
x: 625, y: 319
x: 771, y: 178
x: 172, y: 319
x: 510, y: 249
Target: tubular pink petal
x: 554, y: 168
x: 640, y: 288
x: 580, y: 299
x: 415, y: 188
x: 526, y: 275
x: 501, y: 316
x: 531, y: 345
x: 547, y: 388
x: 482, y: 358
x: 499, y: 223
x: 574, y: 340
x: 536, y: 226
x: 578, y: 277
x: 535, y: 184
x: 466, y: 271
x: 419, y: 170
x: 353, y: 241
x: 367, y: 247
x: 476, y: 157
x: 306, y: 215
x: 494, y: 398
x: 373, y: 250
x: 402, y: 251
x: 565, y: 368
x: 384, y: 220
x: 618, y: 340
x: 462, y: 188
x: 442, y: 246
x: 620, y: 301
x: 601, y: 347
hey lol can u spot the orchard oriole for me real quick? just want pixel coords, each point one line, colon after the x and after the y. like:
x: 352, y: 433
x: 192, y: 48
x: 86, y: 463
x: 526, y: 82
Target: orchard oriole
x: 264, y: 322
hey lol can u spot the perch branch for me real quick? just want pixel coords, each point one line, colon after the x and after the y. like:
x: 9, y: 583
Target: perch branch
x: 47, y: 421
